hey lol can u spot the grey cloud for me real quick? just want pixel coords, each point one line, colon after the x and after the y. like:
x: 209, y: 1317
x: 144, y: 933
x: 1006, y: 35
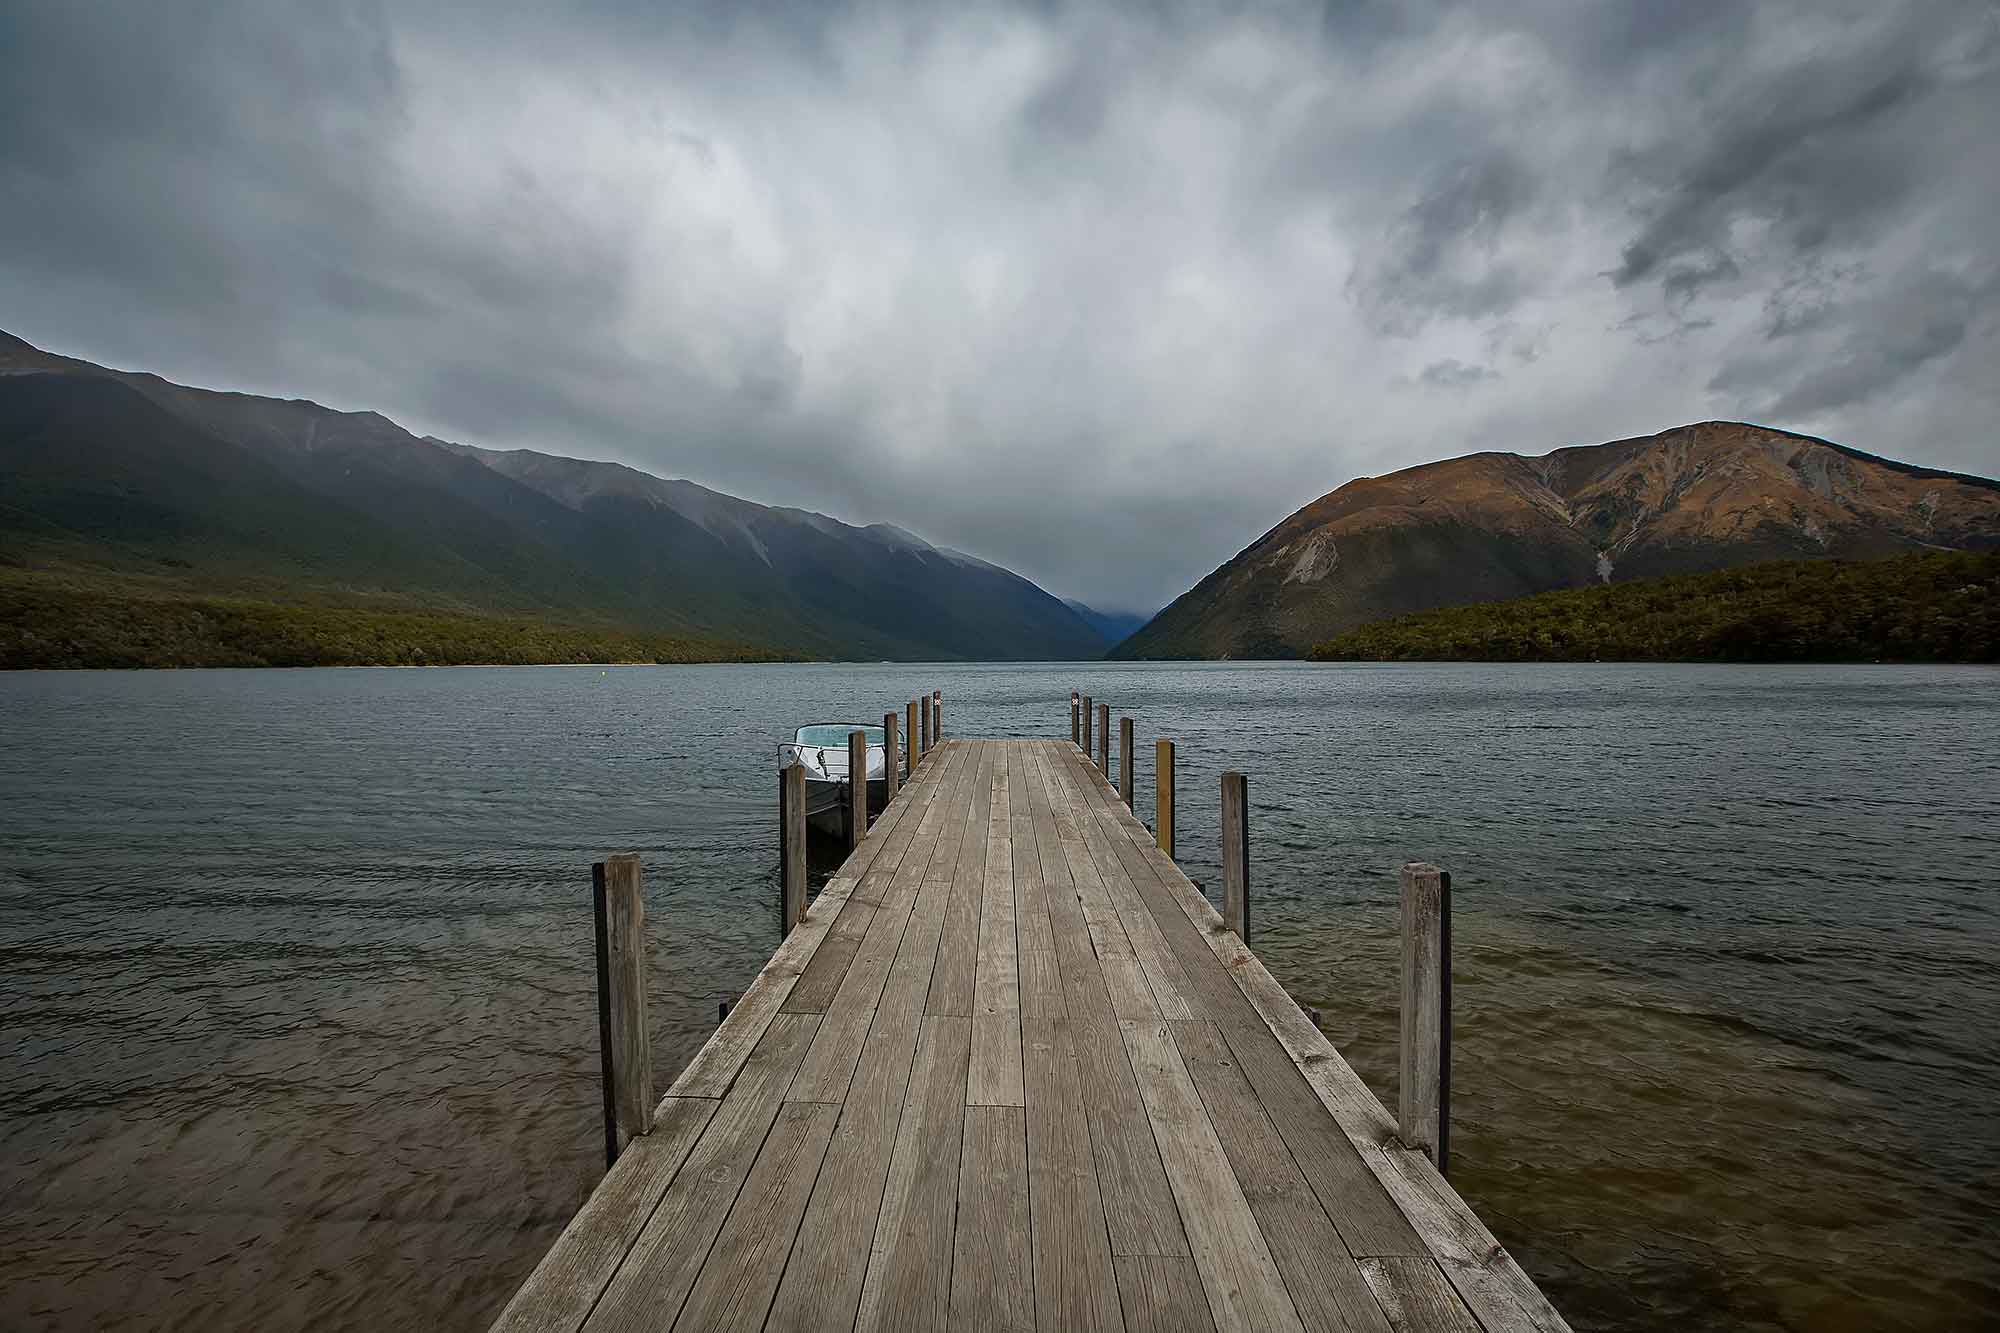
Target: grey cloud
x: 1095, y: 291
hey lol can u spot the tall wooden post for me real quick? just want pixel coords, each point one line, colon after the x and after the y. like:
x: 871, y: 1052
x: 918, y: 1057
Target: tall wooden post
x: 1425, y: 1083
x: 792, y: 841
x: 910, y: 741
x: 1125, y: 760
x: 923, y: 707
x: 1104, y: 739
x: 625, y: 1053
x: 1075, y: 725
x: 892, y: 758
x: 1236, y: 855
x: 937, y: 715
x: 1163, y: 796
x: 857, y: 787
x: 1088, y: 714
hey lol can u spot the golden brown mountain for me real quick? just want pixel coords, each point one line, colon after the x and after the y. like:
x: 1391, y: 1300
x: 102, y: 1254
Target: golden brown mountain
x: 1492, y: 526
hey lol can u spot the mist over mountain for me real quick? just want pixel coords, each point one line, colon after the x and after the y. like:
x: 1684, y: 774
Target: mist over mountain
x: 1491, y: 526
x: 128, y: 477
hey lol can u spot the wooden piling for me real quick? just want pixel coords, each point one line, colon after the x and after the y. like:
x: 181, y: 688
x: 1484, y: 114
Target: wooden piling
x: 910, y: 740
x: 1075, y: 724
x: 1163, y: 796
x: 923, y: 707
x: 1236, y: 855
x: 625, y: 1054
x: 892, y: 758
x: 792, y: 841
x: 857, y: 787
x: 1104, y: 739
x: 1424, y: 1120
x: 1088, y: 714
x: 1125, y: 760
x: 937, y: 716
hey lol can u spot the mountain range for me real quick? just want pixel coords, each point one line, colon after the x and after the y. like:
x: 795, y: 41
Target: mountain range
x: 156, y: 486
x: 1492, y: 526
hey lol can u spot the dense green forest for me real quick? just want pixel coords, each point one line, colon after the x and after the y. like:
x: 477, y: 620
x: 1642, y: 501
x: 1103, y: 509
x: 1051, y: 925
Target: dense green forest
x: 47, y: 622
x: 1930, y: 607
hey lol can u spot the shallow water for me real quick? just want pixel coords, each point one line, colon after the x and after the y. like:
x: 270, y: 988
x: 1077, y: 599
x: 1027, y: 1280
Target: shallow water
x: 299, y: 1022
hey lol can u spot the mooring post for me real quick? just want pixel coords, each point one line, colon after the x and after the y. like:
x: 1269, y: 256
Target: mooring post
x: 937, y: 715
x: 1125, y: 760
x: 857, y: 787
x: 910, y: 741
x: 1425, y: 1083
x: 1087, y: 716
x: 1075, y: 725
x: 792, y: 841
x: 625, y: 1054
x: 1236, y: 855
x: 1163, y: 796
x: 892, y: 758
x: 1104, y: 739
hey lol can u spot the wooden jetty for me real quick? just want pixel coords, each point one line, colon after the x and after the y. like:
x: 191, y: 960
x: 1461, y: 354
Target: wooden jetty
x: 1010, y: 1070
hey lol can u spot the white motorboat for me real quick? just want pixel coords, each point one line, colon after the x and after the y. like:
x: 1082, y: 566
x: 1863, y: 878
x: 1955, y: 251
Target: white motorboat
x: 821, y: 747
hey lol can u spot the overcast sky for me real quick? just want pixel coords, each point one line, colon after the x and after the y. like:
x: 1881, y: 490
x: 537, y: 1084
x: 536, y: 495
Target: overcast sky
x: 1098, y: 292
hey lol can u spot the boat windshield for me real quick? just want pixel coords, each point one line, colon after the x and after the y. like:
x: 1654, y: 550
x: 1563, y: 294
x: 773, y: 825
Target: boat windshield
x: 834, y: 734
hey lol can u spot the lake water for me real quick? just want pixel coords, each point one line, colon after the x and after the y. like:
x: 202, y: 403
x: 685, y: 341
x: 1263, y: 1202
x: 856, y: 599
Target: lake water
x: 299, y: 1016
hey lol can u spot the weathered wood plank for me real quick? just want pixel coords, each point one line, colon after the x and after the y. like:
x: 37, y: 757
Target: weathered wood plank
x: 1162, y: 1295
x: 1245, y: 1292
x: 1031, y: 915
x: 958, y: 949
x: 1416, y: 1298
x: 1367, y: 1218
x: 996, y: 983
x: 566, y: 1284
x: 1422, y: 1205
x: 1324, y: 1280
x: 992, y: 1273
x: 648, y: 1289
x: 1041, y: 984
x: 1076, y: 1290
x: 908, y: 1285
x: 995, y: 1075
x: 742, y: 1268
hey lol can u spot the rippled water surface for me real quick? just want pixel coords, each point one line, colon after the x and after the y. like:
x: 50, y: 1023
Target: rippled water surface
x: 299, y: 1021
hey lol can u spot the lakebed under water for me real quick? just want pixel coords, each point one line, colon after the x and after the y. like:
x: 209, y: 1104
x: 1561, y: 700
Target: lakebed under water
x: 299, y: 1016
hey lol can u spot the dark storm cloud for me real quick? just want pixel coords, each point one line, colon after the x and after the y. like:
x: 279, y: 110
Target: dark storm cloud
x: 1096, y: 291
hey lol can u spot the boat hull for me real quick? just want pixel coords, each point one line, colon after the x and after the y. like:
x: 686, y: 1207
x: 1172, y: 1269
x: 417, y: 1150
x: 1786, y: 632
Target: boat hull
x: 826, y: 804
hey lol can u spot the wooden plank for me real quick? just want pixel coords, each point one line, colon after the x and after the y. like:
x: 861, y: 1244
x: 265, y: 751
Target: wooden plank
x: 1162, y: 1295
x: 1041, y: 984
x: 1424, y: 1215
x: 992, y: 1275
x: 996, y: 983
x: 958, y: 948
x: 1324, y: 1280
x: 1245, y: 1292
x: 823, y: 975
x: 1138, y: 1203
x: 822, y: 1284
x: 625, y: 1053
x: 566, y: 1284
x: 649, y: 1287
x: 994, y: 1078
x: 1075, y: 1288
x: 908, y: 1284
x: 1368, y: 1221
x: 1416, y: 1298
x: 831, y: 1062
x: 1031, y: 914
x: 734, y: 1289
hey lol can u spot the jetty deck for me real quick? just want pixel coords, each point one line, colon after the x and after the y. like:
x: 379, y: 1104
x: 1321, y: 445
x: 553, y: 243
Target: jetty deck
x: 1012, y: 1072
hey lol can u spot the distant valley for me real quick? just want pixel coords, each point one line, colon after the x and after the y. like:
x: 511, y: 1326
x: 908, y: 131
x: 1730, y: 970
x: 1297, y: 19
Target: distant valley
x: 143, y: 493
